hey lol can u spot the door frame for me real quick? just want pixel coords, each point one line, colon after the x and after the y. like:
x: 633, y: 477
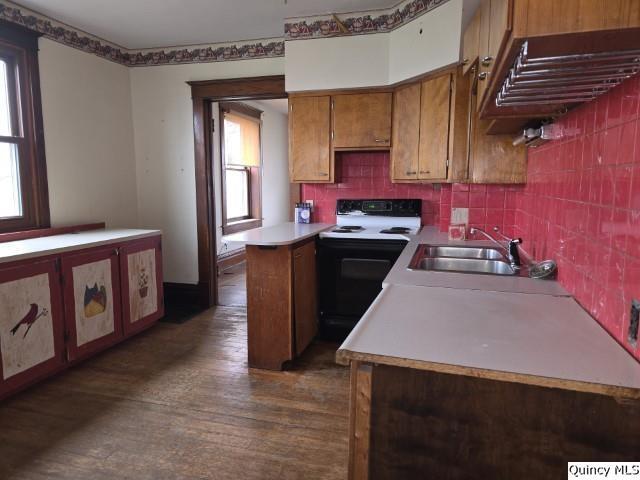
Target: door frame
x: 203, y: 94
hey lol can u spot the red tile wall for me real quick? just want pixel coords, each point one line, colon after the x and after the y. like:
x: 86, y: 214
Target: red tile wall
x: 366, y: 175
x: 581, y: 206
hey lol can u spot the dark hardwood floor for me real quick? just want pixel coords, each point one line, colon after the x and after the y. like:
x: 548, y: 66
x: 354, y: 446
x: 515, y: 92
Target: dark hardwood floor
x: 178, y: 402
x: 232, y: 286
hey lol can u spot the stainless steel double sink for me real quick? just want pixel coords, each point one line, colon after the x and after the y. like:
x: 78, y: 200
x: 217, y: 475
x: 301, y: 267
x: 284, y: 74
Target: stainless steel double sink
x: 461, y: 259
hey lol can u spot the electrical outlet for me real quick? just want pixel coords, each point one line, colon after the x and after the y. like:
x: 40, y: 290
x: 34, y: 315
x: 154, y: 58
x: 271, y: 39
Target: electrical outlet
x: 310, y: 202
x: 633, y: 322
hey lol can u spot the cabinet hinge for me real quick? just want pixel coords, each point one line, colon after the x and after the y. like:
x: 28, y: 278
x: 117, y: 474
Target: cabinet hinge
x: 213, y: 125
x: 447, y: 163
x: 331, y: 134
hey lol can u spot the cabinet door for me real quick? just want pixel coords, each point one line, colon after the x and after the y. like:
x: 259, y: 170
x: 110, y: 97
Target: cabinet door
x: 310, y: 139
x: 406, y: 133
x: 483, y: 48
x: 92, y: 301
x: 471, y: 43
x: 362, y: 120
x: 493, y: 158
x: 305, y: 295
x: 31, y: 325
x: 495, y: 24
x: 141, y: 279
x: 434, y: 128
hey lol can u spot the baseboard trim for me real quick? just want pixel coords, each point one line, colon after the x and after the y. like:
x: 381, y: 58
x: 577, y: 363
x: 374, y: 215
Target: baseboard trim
x: 228, y: 260
x: 181, y: 293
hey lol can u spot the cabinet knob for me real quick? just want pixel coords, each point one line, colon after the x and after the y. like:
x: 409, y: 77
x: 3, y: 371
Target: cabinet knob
x: 483, y: 76
x: 465, y: 61
x: 428, y: 171
x: 381, y: 140
x: 486, y: 61
x: 410, y: 173
x: 323, y: 174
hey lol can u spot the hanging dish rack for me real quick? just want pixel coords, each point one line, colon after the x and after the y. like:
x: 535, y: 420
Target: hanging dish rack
x: 565, y: 79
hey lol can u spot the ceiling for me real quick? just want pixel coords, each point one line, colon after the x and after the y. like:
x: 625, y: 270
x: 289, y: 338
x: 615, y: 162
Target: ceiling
x: 139, y: 24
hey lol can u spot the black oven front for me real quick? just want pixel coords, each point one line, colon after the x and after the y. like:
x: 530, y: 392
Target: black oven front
x: 350, y: 274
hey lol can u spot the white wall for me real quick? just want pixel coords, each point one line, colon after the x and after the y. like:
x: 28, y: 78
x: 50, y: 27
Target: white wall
x: 86, y: 107
x: 339, y: 62
x: 428, y: 43
x: 163, y: 132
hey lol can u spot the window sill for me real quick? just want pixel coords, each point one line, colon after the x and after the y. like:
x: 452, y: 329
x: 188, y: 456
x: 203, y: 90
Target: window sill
x: 241, y: 226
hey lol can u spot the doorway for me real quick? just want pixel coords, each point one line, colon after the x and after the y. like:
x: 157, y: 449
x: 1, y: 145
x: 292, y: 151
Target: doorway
x: 238, y: 97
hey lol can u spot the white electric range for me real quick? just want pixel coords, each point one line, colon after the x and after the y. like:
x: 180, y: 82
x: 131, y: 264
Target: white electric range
x: 376, y: 219
x: 356, y: 256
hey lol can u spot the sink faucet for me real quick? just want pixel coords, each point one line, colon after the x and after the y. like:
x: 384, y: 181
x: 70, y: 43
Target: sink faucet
x: 512, y: 245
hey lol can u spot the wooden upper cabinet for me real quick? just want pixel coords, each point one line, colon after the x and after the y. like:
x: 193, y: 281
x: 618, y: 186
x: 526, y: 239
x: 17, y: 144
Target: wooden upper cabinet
x: 362, y: 120
x: 434, y: 128
x: 493, y: 158
x: 310, y: 139
x: 471, y: 43
x: 406, y: 133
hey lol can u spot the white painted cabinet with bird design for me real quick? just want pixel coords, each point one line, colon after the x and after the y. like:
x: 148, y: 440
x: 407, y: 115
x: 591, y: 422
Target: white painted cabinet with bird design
x: 64, y: 306
x: 31, y: 324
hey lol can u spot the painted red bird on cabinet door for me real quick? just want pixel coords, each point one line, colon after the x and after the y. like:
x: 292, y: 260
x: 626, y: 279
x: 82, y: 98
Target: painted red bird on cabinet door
x: 29, y: 319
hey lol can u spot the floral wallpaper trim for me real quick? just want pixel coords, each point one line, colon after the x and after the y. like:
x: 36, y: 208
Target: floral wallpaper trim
x: 358, y: 23
x: 71, y: 37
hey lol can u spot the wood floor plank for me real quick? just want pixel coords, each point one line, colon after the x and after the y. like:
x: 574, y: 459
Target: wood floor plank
x: 178, y: 402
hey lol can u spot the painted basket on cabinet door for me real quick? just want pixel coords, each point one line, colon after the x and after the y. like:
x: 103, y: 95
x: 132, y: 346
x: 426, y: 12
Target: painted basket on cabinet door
x: 92, y: 300
x: 141, y: 280
x: 31, y: 324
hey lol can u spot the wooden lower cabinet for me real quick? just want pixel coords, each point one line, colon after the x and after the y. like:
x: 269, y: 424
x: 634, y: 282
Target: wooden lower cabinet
x: 411, y: 423
x: 31, y: 324
x: 57, y: 310
x: 281, y: 302
x: 91, y: 292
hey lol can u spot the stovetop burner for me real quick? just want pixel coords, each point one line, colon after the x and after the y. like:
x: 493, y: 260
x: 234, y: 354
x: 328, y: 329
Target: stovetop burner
x: 396, y: 230
x: 342, y: 230
x: 351, y: 227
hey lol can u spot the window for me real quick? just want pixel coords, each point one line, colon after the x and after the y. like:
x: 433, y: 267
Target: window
x: 241, y: 167
x: 23, y: 184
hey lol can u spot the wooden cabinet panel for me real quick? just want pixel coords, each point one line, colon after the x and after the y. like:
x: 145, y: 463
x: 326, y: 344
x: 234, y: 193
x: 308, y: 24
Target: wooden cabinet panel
x: 141, y: 279
x: 269, y: 306
x: 434, y: 128
x: 550, y: 17
x: 92, y: 301
x: 305, y: 298
x: 471, y: 43
x: 460, y: 119
x: 362, y: 120
x: 406, y: 133
x: 483, y: 47
x: 310, y: 157
x: 493, y: 158
x: 500, y: 25
x: 31, y: 324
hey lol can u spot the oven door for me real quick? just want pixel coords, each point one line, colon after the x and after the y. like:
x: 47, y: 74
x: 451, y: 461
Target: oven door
x: 350, y: 273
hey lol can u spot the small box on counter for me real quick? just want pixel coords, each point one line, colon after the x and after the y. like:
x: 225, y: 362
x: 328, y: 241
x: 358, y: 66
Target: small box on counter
x: 303, y: 213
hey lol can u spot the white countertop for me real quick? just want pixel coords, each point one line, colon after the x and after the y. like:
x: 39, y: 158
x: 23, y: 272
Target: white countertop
x: 490, y: 334
x: 281, y: 234
x: 38, y: 247
x: 401, y: 275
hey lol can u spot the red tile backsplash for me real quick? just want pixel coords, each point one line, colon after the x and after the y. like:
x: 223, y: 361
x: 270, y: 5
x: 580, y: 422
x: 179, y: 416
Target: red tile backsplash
x: 581, y: 206
x: 366, y: 175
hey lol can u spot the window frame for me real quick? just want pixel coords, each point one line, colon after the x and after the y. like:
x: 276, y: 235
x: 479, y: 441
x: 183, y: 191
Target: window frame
x: 254, y: 176
x: 20, y: 45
